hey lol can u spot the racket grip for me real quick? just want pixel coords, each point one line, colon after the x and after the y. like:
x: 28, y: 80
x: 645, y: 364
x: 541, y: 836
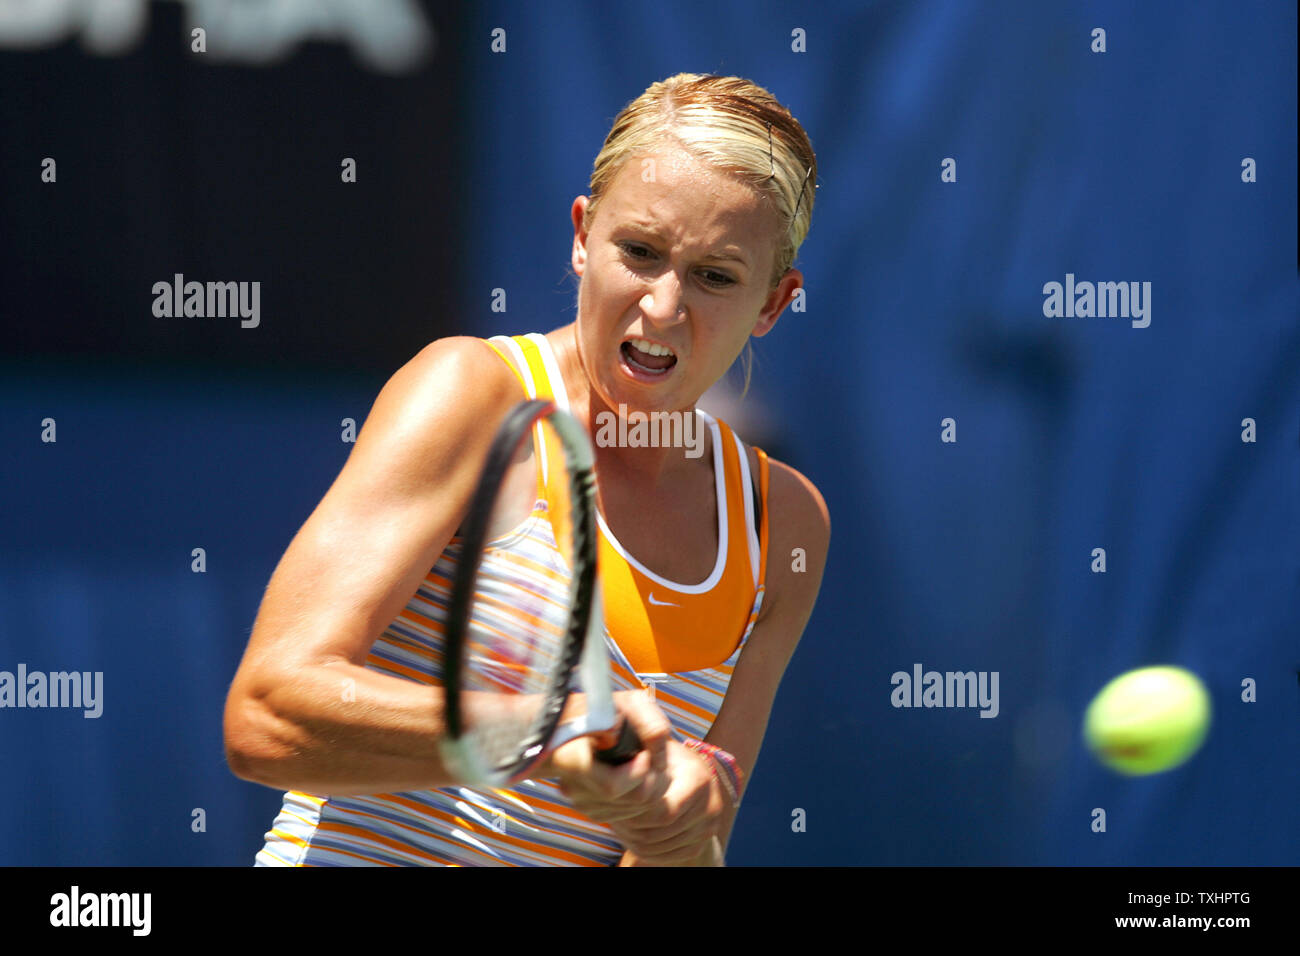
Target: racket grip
x: 624, y: 749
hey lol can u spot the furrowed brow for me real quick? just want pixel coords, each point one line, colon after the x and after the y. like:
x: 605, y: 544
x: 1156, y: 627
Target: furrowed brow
x: 720, y: 255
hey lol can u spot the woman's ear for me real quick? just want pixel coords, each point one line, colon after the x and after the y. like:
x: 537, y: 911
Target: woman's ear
x: 579, y: 211
x: 777, y: 300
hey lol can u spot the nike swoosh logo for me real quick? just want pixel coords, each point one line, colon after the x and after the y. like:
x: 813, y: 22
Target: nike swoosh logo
x: 661, y: 603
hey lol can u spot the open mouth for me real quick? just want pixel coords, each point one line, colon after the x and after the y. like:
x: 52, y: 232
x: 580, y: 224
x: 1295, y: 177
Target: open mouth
x: 646, y: 359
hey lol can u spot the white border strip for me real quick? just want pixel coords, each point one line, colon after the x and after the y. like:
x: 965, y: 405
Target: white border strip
x: 539, y: 433
x: 719, y: 481
x: 720, y: 487
x: 552, y: 368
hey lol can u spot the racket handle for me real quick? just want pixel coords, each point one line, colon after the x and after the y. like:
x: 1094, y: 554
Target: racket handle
x: 624, y: 749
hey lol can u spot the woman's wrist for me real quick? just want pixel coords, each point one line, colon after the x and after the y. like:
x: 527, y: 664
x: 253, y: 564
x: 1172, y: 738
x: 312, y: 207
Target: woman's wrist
x: 726, y: 771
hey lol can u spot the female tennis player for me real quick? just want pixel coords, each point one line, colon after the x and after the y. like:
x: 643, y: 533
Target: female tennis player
x: 711, y: 556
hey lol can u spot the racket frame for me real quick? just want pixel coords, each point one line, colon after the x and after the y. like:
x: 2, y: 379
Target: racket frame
x: 583, y: 650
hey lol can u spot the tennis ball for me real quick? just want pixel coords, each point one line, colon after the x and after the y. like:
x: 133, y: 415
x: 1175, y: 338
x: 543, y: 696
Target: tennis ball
x: 1148, y: 720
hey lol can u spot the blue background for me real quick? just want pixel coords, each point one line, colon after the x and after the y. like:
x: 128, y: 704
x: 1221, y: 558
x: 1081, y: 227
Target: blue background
x: 924, y: 301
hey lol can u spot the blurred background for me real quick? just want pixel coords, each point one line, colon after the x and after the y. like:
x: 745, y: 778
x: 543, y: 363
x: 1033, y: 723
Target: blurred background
x: 925, y: 302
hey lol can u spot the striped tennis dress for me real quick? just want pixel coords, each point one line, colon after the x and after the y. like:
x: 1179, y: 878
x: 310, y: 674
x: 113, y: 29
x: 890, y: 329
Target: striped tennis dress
x: 653, y: 627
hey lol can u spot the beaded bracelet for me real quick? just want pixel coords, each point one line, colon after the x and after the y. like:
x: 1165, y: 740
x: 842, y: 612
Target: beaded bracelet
x: 730, y: 776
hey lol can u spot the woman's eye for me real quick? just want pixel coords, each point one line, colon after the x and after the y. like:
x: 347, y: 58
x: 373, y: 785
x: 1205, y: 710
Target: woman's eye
x: 640, y: 253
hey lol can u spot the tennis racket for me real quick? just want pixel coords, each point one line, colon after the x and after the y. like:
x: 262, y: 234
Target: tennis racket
x: 524, y: 616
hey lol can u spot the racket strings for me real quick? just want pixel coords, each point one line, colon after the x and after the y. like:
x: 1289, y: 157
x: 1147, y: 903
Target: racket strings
x: 516, y: 634
x: 526, y: 528
x: 522, y: 594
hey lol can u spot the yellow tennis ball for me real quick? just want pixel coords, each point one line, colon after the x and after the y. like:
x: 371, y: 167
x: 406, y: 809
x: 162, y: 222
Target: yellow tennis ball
x: 1148, y: 720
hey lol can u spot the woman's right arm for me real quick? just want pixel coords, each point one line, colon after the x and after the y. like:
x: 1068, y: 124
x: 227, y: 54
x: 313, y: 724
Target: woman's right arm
x: 303, y: 713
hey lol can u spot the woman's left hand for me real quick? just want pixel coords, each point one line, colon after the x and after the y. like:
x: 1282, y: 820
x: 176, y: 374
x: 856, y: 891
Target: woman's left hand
x: 683, y: 826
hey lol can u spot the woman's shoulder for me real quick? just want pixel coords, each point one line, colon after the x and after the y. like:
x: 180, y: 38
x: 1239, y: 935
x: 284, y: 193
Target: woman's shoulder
x: 467, y: 365
x: 796, y: 504
x: 792, y: 498
x: 451, y: 384
x: 461, y: 355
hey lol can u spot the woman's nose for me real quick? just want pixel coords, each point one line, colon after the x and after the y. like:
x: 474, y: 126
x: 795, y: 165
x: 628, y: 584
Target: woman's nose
x: 663, y: 303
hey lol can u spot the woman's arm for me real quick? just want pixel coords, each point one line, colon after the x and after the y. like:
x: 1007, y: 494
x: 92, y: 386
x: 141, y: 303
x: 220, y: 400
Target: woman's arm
x: 797, y: 519
x: 303, y: 712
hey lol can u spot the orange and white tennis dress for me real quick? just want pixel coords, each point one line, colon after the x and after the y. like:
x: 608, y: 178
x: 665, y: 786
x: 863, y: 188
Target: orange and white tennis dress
x: 683, y: 638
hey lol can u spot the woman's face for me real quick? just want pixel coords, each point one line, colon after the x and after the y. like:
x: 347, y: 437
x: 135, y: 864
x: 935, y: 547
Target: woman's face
x: 679, y: 257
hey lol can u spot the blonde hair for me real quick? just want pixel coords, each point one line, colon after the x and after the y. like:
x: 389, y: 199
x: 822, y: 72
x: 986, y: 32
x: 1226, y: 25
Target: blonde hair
x: 731, y: 124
